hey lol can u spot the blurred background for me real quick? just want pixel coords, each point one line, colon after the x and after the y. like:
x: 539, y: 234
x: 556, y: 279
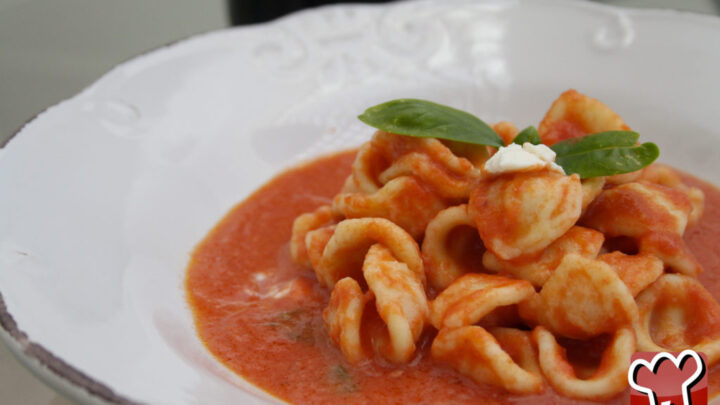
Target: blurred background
x: 52, y: 49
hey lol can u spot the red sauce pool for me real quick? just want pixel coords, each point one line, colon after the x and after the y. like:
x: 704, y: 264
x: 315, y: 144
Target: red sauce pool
x: 261, y: 315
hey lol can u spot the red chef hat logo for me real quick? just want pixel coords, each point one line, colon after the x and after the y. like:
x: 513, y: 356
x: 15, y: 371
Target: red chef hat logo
x: 662, y: 378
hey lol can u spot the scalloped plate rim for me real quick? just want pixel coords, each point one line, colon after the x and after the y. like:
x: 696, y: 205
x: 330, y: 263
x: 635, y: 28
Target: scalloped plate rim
x: 53, y: 370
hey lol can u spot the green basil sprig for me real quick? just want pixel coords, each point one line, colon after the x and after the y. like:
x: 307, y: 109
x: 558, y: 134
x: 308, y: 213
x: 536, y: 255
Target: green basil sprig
x: 604, y: 154
x: 425, y: 119
x: 529, y: 134
x: 601, y: 154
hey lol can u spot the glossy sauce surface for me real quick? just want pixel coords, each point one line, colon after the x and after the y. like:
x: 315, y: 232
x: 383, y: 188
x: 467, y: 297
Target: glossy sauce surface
x: 261, y: 315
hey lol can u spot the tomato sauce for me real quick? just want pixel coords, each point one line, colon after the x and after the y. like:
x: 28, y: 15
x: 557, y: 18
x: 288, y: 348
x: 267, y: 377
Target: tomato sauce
x: 261, y: 315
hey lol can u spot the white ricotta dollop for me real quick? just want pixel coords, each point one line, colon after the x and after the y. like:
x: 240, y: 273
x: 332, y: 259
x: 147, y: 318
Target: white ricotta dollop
x: 526, y: 158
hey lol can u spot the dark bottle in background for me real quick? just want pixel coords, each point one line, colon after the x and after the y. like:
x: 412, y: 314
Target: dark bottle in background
x: 256, y: 11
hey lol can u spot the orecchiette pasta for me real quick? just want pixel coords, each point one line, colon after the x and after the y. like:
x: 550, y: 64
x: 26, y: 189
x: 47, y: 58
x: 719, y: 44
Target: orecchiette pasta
x: 573, y: 115
x: 403, y: 200
x: 665, y: 176
x: 576, y: 264
x: 654, y: 215
x: 520, y: 346
x: 697, y: 200
x: 422, y: 166
x: 475, y: 154
x: 671, y: 249
x: 635, y: 209
x: 591, y: 188
x: 607, y: 381
x: 507, y: 131
x: 344, y: 252
x: 315, y: 242
x: 393, y: 146
x: 400, y: 301
x: 343, y: 317
x: 469, y: 298
x: 523, y: 213
x: 636, y: 271
x: 303, y: 224
x: 441, y: 266
x: 365, y: 169
x: 507, y: 359
x: 677, y: 313
x: 583, y: 298
x: 537, y: 269
x: 388, y: 156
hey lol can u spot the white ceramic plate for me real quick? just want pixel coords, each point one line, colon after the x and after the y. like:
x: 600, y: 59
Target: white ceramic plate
x: 103, y: 197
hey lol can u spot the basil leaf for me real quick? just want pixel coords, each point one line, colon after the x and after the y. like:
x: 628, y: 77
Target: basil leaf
x: 598, y: 140
x: 608, y: 161
x: 529, y: 134
x: 425, y: 119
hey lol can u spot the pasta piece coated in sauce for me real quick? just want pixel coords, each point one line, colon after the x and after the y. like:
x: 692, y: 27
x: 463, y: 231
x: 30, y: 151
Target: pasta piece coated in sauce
x: 442, y: 267
x: 582, y: 299
x: 678, y: 313
x: 538, y: 268
x: 344, y: 253
x: 606, y: 382
x: 487, y: 359
x: 522, y: 213
x: 469, y: 298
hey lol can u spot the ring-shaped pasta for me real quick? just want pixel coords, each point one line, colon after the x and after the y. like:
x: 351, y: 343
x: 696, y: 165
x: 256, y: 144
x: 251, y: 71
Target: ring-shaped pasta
x: 363, y: 176
x: 303, y: 224
x: 505, y: 358
x: 431, y: 173
x: 583, y: 298
x: 400, y: 301
x: 608, y: 380
x: 343, y: 317
x: 682, y: 315
x: 345, y: 251
x: 393, y: 146
x: 469, y: 298
x: 315, y: 242
x: 441, y: 267
x: 537, y: 269
x: 430, y: 161
x: 403, y: 200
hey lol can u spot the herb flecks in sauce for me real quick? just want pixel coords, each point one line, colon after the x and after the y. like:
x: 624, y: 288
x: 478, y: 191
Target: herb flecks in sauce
x: 296, y: 324
x: 341, y: 379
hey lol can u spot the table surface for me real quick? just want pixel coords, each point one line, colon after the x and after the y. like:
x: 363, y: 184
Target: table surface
x: 52, y: 49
